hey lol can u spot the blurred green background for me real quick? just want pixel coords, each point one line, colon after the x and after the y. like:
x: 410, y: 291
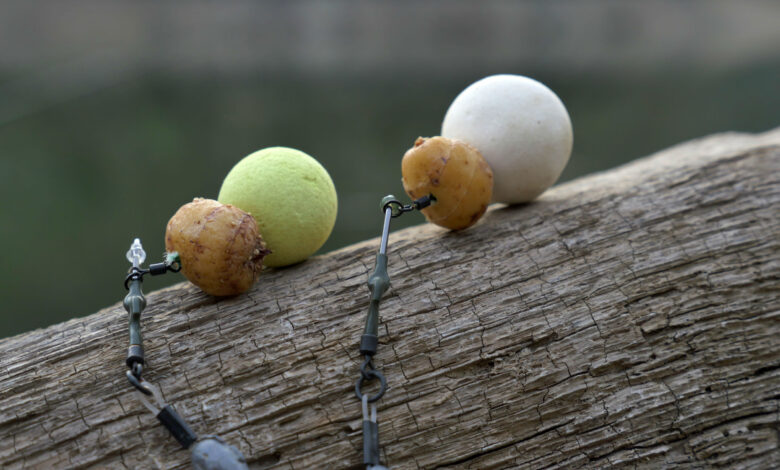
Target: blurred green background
x: 113, y: 114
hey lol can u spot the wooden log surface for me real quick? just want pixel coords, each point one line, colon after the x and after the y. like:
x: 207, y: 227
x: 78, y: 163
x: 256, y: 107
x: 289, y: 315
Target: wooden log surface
x: 629, y: 318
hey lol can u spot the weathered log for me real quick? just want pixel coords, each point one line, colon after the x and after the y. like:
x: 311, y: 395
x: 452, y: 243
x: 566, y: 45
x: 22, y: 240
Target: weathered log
x: 625, y: 318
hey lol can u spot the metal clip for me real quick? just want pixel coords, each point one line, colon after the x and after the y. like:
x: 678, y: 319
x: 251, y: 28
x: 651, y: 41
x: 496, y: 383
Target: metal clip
x: 135, y: 379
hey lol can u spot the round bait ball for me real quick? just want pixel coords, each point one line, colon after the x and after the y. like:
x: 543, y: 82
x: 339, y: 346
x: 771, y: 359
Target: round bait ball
x: 455, y: 174
x: 521, y: 128
x: 220, y: 249
x: 290, y: 195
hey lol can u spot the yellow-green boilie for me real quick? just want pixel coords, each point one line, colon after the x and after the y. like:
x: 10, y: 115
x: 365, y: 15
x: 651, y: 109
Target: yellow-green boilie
x: 291, y: 196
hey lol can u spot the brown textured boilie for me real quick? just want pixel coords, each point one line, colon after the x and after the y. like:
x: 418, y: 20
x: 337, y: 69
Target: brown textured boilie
x: 455, y: 173
x: 219, y: 245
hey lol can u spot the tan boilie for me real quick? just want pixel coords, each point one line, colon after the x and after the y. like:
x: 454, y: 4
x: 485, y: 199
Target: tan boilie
x: 457, y: 176
x: 219, y: 245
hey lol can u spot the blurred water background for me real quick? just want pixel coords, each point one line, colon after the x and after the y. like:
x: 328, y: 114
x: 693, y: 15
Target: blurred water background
x: 114, y: 114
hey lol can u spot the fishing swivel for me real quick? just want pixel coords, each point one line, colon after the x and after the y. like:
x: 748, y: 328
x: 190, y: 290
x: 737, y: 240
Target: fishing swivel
x: 135, y: 302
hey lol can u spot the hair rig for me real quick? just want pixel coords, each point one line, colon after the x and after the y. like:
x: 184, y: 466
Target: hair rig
x: 378, y: 283
x: 208, y: 452
x: 508, y: 126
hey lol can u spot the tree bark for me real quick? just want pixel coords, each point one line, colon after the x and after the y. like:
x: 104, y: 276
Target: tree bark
x: 628, y: 318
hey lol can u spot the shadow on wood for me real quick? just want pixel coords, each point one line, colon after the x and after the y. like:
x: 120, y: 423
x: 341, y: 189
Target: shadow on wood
x: 625, y: 318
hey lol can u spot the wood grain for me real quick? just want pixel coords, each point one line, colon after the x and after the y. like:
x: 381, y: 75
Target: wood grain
x: 629, y: 318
